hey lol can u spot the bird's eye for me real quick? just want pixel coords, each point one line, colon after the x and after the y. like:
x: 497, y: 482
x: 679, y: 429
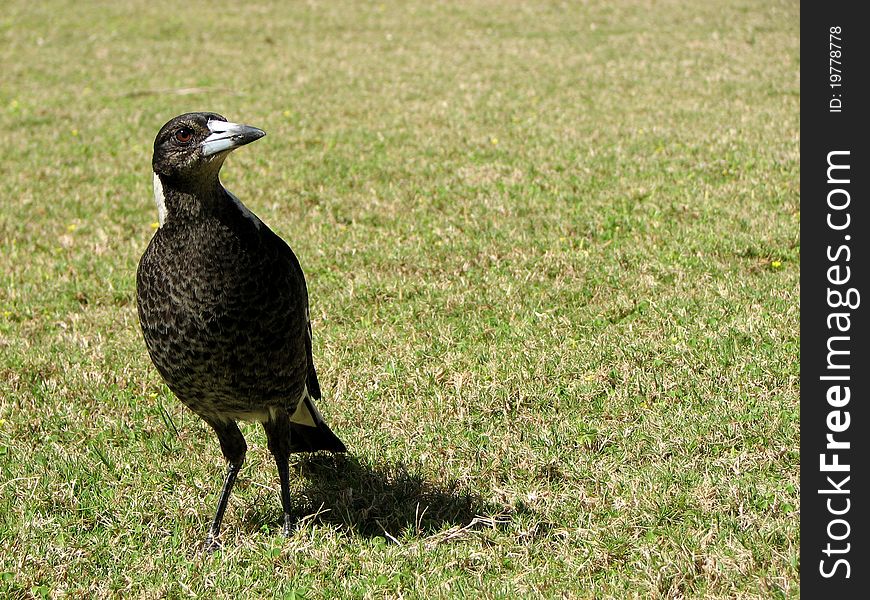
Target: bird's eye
x: 184, y: 135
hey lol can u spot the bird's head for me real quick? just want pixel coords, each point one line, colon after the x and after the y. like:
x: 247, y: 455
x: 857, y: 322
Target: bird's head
x: 191, y: 148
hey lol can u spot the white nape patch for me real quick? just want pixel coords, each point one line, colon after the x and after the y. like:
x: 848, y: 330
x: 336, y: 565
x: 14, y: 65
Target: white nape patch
x: 245, y: 210
x: 160, y: 199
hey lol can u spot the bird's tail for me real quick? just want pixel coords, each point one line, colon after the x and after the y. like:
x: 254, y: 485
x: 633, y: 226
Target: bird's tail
x: 309, y: 432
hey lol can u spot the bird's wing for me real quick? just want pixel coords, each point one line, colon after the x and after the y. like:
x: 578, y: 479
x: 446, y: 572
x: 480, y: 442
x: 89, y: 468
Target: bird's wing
x: 313, y: 384
x: 296, y: 273
x: 308, y: 431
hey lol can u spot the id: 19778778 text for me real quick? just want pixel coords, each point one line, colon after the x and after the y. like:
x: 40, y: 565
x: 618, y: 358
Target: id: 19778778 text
x: 835, y: 68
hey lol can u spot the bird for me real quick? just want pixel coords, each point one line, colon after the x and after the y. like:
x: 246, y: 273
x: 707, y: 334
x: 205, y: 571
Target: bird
x: 223, y: 307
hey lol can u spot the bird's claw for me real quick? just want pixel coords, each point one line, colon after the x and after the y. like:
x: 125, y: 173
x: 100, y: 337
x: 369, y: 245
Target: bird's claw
x: 211, y: 544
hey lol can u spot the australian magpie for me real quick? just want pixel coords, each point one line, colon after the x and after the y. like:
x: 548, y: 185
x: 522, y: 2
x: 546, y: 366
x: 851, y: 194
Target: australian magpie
x: 223, y: 306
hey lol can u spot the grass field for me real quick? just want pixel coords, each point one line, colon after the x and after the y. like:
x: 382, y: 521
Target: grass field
x: 553, y: 257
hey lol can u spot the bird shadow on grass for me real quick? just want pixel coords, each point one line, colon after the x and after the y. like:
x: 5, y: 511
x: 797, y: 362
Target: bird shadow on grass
x: 383, y: 500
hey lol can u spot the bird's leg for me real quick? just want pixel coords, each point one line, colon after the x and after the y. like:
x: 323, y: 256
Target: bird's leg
x: 234, y: 448
x: 278, y: 435
x: 283, y: 463
x: 211, y: 544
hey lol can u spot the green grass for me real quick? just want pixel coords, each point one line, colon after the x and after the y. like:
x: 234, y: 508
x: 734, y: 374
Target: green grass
x: 553, y: 257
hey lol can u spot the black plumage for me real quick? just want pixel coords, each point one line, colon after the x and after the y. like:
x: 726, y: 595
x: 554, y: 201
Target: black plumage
x: 223, y: 305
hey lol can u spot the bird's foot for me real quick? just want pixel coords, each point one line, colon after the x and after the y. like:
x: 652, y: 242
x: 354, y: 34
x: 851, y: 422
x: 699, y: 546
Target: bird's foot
x: 211, y: 544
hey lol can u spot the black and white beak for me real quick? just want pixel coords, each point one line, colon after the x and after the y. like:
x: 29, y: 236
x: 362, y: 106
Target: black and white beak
x: 226, y: 136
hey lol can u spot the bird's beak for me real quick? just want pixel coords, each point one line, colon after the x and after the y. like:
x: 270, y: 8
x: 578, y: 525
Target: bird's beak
x: 228, y: 136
